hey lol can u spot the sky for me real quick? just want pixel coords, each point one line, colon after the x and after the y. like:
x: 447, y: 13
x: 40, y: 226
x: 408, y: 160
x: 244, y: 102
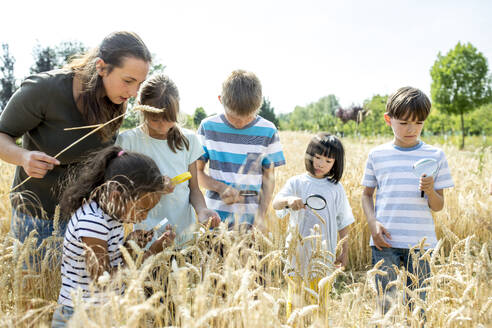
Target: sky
x: 300, y: 50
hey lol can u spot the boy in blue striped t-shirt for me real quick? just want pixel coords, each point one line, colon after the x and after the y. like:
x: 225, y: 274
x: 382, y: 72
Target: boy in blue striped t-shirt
x: 242, y: 150
x: 401, y: 217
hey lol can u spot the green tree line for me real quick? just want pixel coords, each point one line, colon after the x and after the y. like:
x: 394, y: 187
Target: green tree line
x: 460, y: 91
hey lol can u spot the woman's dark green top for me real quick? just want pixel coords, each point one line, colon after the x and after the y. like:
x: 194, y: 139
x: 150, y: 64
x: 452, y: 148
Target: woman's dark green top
x: 39, y: 111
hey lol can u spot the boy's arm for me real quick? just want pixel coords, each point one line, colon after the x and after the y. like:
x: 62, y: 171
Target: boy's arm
x: 378, y: 231
x: 267, y: 186
x: 228, y: 194
x: 342, y: 259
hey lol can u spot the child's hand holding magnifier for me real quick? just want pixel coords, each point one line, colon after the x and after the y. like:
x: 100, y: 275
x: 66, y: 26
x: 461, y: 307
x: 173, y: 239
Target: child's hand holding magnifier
x: 167, y: 237
x: 426, y: 184
x: 170, y: 184
x: 425, y: 169
x: 295, y: 203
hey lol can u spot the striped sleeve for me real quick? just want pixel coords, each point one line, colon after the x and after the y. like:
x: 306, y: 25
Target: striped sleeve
x: 201, y: 136
x: 443, y: 178
x: 369, y: 177
x: 274, y: 153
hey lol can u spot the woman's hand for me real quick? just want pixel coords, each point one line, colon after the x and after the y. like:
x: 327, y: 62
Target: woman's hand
x: 207, y: 216
x: 36, y: 164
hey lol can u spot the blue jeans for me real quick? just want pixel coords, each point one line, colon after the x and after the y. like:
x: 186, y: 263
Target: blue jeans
x: 21, y: 226
x: 397, y: 256
x: 62, y: 314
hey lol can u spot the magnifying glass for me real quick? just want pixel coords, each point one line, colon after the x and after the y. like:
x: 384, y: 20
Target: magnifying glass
x: 248, y: 193
x: 157, y: 226
x: 427, y: 167
x: 315, y: 203
x: 181, y: 178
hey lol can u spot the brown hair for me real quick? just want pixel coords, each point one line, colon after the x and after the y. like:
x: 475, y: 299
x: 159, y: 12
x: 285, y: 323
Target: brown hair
x: 96, y: 106
x: 241, y: 93
x: 111, y: 169
x: 160, y: 91
x: 408, y: 103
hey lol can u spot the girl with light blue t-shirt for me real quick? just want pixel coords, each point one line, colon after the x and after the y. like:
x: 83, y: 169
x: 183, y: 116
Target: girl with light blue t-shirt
x: 175, y: 150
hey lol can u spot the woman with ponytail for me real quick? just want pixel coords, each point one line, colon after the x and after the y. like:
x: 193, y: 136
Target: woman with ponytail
x: 175, y: 150
x: 92, y: 89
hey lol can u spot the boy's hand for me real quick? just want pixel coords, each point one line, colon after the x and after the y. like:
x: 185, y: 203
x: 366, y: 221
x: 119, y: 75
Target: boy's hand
x: 230, y: 196
x: 168, y: 185
x: 426, y: 184
x: 295, y: 203
x: 379, y: 232
x: 207, y: 215
x: 140, y: 237
x: 342, y: 260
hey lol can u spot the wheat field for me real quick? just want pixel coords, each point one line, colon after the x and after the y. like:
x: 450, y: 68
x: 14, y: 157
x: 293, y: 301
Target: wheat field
x: 228, y: 279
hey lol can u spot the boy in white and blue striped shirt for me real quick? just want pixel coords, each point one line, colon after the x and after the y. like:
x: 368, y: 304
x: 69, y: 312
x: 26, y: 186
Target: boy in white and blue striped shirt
x: 401, y: 217
x: 242, y: 150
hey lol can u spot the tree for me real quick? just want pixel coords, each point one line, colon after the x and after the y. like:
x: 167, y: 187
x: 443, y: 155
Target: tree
x: 374, y: 122
x: 267, y: 112
x: 45, y: 59
x: 460, y: 82
x: 7, y: 78
x: 199, y: 116
x: 317, y: 116
x: 66, y: 50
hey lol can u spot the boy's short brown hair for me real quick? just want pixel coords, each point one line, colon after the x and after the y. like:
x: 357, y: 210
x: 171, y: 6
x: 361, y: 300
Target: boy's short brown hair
x: 408, y: 103
x: 241, y: 93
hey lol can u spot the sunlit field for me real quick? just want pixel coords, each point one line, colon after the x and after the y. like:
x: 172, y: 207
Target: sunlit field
x: 228, y: 279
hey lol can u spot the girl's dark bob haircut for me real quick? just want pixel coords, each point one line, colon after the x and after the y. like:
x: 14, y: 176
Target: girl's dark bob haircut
x: 327, y: 145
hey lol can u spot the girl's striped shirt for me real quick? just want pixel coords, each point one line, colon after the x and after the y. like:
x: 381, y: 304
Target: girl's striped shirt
x: 88, y: 221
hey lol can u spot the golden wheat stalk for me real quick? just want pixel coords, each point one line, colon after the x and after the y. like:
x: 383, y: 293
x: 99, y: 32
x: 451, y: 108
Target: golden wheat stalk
x: 99, y: 127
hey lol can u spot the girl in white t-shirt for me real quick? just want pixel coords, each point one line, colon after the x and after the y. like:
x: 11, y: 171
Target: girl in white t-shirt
x: 324, y: 162
x: 175, y: 150
x: 112, y: 187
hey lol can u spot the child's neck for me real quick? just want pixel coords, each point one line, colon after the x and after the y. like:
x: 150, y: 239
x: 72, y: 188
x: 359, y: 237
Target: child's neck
x: 313, y: 176
x: 152, y: 134
x: 400, y: 144
x: 239, y: 122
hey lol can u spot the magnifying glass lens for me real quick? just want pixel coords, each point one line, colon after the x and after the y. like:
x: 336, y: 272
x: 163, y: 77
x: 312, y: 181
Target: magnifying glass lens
x: 316, y: 202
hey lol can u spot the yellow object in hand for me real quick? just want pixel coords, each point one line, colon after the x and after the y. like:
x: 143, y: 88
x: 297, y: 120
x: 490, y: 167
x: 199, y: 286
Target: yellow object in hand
x: 181, y: 178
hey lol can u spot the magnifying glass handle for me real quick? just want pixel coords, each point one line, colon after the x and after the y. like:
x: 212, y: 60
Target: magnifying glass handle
x: 422, y: 194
